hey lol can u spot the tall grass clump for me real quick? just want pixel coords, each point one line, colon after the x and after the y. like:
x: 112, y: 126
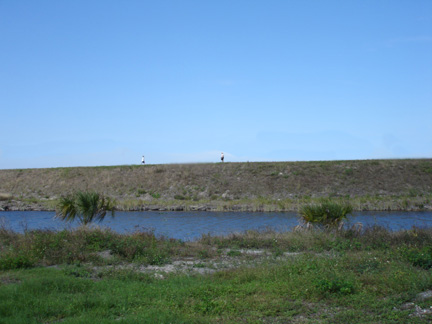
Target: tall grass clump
x: 85, y: 206
x: 327, y: 213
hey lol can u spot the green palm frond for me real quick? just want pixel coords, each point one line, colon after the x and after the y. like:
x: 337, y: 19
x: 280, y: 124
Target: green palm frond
x: 66, y: 209
x: 84, y: 206
x: 328, y: 213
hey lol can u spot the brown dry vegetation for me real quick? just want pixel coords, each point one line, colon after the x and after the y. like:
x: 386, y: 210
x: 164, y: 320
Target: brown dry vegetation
x: 227, y: 184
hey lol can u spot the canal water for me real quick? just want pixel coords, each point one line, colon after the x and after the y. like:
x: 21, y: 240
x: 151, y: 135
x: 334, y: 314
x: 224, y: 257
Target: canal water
x: 192, y: 225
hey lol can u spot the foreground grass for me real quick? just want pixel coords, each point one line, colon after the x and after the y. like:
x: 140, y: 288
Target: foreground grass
x: 337, y: 277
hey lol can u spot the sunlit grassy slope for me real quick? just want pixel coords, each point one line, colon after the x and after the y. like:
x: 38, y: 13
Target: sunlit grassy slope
x: 263, y: 183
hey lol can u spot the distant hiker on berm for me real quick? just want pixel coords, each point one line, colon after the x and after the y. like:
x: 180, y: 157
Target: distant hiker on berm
x: 222, y: 157
x: 143, y: 160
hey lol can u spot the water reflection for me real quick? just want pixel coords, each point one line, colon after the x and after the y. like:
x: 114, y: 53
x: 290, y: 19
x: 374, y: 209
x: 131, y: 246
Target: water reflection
x: 191, y: 225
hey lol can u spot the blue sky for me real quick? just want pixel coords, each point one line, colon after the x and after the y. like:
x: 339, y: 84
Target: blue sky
x: 86, y: 83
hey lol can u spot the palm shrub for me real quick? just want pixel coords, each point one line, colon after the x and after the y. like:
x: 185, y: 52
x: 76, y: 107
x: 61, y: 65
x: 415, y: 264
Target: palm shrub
x: 327, y: 213
x: 86, y: 206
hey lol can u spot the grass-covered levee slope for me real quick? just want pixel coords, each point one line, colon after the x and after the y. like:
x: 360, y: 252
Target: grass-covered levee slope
x: 258, y: 186
x: 305, y: 276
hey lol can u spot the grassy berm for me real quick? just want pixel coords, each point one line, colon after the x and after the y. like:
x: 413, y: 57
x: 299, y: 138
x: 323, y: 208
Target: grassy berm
x: 257, y: 186
x: 304, y: 276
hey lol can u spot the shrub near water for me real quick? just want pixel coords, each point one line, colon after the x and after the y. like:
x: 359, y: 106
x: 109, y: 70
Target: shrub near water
x: 45, y: 247
x: 143, y: 247
x: 327, y: 213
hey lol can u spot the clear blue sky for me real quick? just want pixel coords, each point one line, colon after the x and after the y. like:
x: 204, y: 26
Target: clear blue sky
x: 87, y: 83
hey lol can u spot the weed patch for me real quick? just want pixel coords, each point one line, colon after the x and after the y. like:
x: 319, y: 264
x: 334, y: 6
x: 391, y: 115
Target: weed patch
x: 419, y: 257
x: 335, y: 286
x: 16, y: 260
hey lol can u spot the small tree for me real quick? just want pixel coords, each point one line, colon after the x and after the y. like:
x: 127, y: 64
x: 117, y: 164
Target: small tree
x: 327, y: 213
x: 84, y: 206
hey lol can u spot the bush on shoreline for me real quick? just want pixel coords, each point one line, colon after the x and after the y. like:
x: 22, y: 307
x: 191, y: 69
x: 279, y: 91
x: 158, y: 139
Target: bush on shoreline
x: 327, y: 213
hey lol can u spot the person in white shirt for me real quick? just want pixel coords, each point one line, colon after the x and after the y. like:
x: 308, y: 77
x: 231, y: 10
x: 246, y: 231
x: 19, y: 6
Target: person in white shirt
x: 222, y: 157
x: 143, y: 160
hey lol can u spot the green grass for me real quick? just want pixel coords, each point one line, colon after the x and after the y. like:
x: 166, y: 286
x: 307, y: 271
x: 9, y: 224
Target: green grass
x: 347, y: 276
x: 340, y: 289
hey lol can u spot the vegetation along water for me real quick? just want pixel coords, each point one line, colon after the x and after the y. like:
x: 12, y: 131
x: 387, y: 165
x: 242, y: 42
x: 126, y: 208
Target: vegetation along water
x: 318, y: 272
x: 255, y: 186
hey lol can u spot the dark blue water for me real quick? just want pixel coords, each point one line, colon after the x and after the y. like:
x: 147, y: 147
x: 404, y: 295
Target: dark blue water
x: 191, y: 225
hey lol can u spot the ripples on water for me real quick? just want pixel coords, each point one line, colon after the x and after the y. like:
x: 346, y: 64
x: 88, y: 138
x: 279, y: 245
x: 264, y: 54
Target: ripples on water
x: 191, y: 225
